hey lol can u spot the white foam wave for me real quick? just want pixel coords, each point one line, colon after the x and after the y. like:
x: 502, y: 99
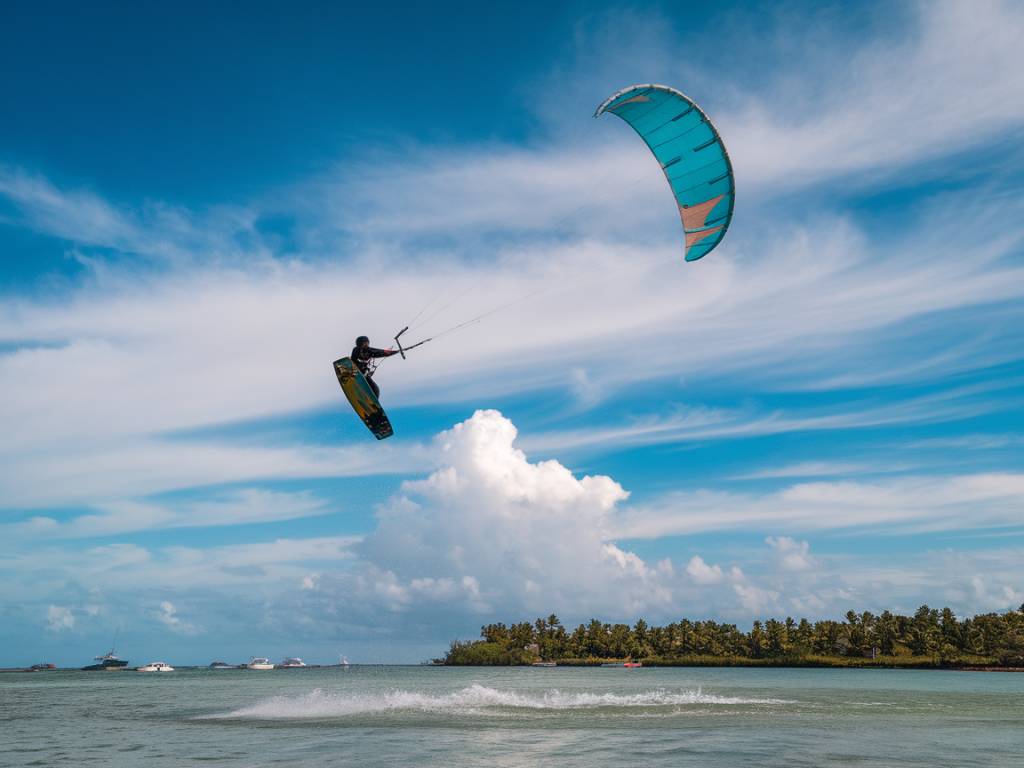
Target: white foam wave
x: 475, y: 699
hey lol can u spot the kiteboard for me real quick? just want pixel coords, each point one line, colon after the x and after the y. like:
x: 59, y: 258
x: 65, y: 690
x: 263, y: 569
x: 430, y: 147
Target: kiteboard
x: 360, y: 395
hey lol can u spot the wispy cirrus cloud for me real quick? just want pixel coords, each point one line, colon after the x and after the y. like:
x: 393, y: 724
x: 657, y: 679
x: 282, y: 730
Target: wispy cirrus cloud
x: 241, y: 507
x: 687, y: 425
x: 153, y: 230
x: 898, y: 506
x: 881, y: 110
x: 971, y: 442
x: 128, y: 468
x: 822, y: 469
x: 788, y: 318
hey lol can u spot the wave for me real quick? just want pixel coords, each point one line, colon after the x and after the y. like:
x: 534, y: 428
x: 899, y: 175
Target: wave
x: 475, y: 699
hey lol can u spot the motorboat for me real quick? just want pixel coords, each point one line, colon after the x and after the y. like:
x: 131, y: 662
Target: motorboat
x: 221, y: 665
x: 292, y: 662
x: 156, y: 666
x: 108, y: 661
x: 258, y: 662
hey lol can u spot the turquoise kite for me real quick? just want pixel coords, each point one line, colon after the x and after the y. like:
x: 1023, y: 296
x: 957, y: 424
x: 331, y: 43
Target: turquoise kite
x: 690, y: 152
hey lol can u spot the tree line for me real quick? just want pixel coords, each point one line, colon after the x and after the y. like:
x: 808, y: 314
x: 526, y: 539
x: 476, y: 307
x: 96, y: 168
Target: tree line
x: 930, y: 637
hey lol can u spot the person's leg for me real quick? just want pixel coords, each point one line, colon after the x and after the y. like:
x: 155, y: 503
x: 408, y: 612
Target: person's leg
x: 373, y: 386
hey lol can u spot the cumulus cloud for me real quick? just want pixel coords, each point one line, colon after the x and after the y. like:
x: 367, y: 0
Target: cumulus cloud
x: 493, y: 527
x: 995, y: 597
x: 59, y: 618
x: 757, y: 601
x: 168, y: 616
x: 702, y: 573
x: 792, y: 555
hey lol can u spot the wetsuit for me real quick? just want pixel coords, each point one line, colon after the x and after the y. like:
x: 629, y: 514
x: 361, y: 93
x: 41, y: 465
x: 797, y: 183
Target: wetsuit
x: 361, y: 356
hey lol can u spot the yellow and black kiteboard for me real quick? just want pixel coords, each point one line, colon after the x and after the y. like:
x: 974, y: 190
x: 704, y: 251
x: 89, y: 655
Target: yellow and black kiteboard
x: 360, y: 395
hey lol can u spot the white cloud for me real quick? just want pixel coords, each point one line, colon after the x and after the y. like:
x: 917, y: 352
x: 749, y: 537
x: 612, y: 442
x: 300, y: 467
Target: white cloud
x: 154, y: 230
x: 972, y: 442
x: 757, y: 601
x: 168, y: 616
x: 994, y: 597
x: 312, y: 581
x: 508, y: 531
x: 124, y: 467
x: 821, y: 469
x: 792, y: 555
x: 902, y: 505
x: 702, y: 573
x: 244, y: 506
x: 693, y: 424
x: 59, y: 618
x: 883, y: 108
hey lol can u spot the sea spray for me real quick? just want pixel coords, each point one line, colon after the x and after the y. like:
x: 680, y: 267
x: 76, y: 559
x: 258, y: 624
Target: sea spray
x: 473, y: 699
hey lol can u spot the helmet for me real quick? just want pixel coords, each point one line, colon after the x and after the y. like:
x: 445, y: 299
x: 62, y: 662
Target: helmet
x: 362, y: 340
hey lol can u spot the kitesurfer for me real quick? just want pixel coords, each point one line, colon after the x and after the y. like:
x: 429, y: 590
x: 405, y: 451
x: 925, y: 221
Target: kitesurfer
x: 362, y: 354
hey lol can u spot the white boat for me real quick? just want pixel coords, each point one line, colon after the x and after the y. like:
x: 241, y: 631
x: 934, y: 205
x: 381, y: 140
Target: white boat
x: 221, y: 665
x: 156, y: 666
x: 291, y: 662
x: 259, y: 663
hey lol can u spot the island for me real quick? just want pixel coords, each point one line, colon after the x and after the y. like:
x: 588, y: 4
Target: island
x: 930, y: 638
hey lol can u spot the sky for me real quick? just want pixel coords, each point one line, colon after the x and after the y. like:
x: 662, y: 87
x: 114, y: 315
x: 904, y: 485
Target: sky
x: 201, y: 208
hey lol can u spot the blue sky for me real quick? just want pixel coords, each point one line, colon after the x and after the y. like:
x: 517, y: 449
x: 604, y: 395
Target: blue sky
x: 199, y: 210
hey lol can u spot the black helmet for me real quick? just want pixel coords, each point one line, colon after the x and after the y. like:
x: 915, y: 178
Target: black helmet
x: 362, y: 340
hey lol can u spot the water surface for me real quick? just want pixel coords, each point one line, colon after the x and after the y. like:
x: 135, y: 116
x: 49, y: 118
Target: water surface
x: 439, y: 716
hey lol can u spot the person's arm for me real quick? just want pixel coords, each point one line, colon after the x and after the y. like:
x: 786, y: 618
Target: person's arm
x: 374, y: 352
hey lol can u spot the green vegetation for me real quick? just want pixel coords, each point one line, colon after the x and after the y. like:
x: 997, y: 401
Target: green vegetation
x: 930, y: 638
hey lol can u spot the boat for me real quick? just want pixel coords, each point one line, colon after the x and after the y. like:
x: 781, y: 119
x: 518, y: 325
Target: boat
x: 544, y: 664
x: 155, y: 666
x: 633, y: 664
x: 221, y: 665
x: 258, y: 662
x: 292, y: 662
x: 343, y: 662
x: 108, y: 661
x: 41, y: 667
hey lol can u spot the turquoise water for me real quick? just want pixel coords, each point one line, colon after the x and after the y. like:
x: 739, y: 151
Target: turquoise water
x: 436, y: 716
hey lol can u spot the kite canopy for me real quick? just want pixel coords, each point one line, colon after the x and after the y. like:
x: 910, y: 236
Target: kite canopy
x: 691, y: 154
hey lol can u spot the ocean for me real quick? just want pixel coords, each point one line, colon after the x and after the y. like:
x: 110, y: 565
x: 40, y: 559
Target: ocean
x: 459, y: 716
